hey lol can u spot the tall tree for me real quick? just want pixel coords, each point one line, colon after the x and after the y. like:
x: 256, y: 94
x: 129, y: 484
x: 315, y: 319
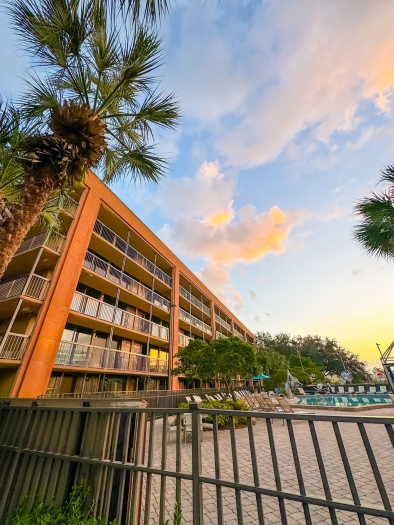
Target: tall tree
x: 375, y: 231
x: 93, y: 99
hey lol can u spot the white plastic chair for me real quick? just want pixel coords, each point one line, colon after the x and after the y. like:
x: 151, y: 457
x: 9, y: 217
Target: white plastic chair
x: 361, y: 390
x: 350, y: 390
x: 372, y: 390
x: 188, y: 399
x: 341, y: 390
x: 383, y: 389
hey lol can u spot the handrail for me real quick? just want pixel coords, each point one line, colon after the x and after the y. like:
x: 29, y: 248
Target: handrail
x: 108, y: 271
x: 13, y: 346
x: 183, y: 340
x: 108, y: 235
x: 238, y: 334
x: 53, y: 240
x: 87, y: 305
x: 222, y: 322
x: 219, y: 335
x: 36, y: 287
x: 66, y: 203
x: 189, y: 297
x: 194, y: 321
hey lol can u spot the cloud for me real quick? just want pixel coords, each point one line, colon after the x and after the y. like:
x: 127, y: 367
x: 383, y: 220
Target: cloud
x: 205, y: 223
x: 299, y: 70
x: 252, y: 294
x: 356, y: 272
x: 338, y: 212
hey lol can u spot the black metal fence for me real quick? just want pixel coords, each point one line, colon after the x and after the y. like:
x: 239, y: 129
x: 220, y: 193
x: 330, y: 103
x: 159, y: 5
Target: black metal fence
x: 141, y: 461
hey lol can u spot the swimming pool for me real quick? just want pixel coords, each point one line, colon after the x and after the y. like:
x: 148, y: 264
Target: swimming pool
x: 344, y: 400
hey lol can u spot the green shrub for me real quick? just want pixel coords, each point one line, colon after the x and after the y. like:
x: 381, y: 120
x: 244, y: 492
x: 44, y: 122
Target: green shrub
x: 227, y: 404
x: 72, y: 513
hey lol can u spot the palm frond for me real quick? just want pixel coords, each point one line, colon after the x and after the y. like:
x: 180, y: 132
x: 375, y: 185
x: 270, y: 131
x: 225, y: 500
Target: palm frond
x: 375, y: 233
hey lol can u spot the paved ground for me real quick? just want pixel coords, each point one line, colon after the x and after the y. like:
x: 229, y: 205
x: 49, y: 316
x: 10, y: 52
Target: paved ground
x: 361, y: 469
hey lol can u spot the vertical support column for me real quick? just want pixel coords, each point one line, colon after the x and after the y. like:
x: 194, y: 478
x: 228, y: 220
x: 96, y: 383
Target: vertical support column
x: 37, y: 365
x: 173, y: 381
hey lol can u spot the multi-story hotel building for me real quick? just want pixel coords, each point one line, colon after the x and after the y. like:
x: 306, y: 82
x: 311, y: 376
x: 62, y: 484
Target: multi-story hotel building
x: 105, y: 306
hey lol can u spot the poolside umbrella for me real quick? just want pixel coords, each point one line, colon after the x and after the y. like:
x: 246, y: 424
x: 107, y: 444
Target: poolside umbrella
x: 260, y: 376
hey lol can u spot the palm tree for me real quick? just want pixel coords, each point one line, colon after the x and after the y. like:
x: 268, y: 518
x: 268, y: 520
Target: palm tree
x: 375, y: 233
x: 94, y: 103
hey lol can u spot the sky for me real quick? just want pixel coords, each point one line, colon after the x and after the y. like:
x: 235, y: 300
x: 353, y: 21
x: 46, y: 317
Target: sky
x: 287, y: 120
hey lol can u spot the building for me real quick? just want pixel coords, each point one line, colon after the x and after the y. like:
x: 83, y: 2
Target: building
x: 104, y: 307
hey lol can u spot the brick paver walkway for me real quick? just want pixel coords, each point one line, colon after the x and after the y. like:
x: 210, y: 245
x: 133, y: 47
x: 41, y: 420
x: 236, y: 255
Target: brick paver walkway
x: 363, y: 476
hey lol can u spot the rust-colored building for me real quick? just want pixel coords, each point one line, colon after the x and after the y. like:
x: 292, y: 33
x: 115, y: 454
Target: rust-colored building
x: 104, y: 307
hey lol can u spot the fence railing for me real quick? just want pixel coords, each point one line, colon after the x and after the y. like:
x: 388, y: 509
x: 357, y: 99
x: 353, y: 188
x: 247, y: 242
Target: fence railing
x: 222, y: 322
x: 219, y: 335
x: 66, y: 203
x: 13, y: 346
x: 194, y: 321
x: 183, y: 340
x: 106, y: 270
x: 189, y: 297
x: 131, y: 252
x: 140, y: 461
x: 36, y: 287
x: 52, y: 240
x: 94, y: 308
x: 238, y: 334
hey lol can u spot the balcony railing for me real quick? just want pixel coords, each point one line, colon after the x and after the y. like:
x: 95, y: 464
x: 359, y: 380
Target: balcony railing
x: 111, y: 237
x: 51, y: 240
x: 36, y: 287
x: 88, y: 356
x: 13, y: 346
x: 238, y: 334
x: 66, y: 203
x: 94, y: 308
x: 219, y: 335
x: 183, y: 340
x: 189, y: 297
x: 222, y: 322
x: 106, y: 270
x: 194, y: 321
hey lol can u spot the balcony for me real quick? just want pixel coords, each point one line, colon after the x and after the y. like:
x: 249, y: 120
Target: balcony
x: 36, y: 287
x: 87, y: 356
x: 219, y: 335
x: 94, y: 308
x: 183, y: 340
x: 194, y: 321
x: 106, y: 270
x: 222, y: 322
x: 65, y: 203
x: 238, y: 334
x: 108, y: 235
x: 13, y: 346
x: 189, y: 297
x: 53, y: 241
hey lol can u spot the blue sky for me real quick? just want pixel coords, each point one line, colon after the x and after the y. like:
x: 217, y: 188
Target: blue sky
x: 287, y: 120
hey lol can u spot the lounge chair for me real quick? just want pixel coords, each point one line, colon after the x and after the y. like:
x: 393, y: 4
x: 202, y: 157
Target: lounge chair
x: 372, y: 390
x: 302, y: 392
x: 341, y: 390
x: 383, y: 389
x: 350, y: 390
x: 253, y: 404
x: 360, y: 390
x: 263, y: 403
x: 188, y: 399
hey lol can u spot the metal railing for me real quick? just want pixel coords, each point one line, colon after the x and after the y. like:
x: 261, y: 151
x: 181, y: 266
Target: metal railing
x: 108, y: 271
x: 238, y: 334
x: 222, y: 322
x: 189, y: 297
x: 66, y: 203
x: 36, y: 287
x: 51, y: 240
x: 183, y: 340
x: 111, y: 237
x: 313, y: 469
x: 194, y: 321
x: 13, y: 346
x: 94, y: 308
x: 219, y: 335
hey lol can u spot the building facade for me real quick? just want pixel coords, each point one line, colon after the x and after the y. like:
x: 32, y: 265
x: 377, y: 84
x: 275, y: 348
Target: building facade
x: 103, y: 307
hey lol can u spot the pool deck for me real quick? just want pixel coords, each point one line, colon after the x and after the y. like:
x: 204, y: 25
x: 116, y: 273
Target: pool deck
x: 361, y: 469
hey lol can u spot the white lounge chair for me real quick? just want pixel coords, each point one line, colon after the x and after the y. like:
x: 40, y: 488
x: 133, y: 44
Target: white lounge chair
x: 341, y: 390
x: 188, y: 399
x: 188, y: 428
x: 360, y: 390
x: 350, y: 390
x: 372, y: 390
x: 302, y: 392
x: 383, y: 389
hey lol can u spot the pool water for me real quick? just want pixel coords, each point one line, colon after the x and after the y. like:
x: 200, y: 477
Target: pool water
x: 343, y: 400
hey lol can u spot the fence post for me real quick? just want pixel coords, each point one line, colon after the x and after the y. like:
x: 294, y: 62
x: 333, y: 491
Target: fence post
x: 196, y: 464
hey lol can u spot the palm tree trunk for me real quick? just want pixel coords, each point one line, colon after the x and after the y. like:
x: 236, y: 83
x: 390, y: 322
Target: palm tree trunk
x: 24, y: 214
